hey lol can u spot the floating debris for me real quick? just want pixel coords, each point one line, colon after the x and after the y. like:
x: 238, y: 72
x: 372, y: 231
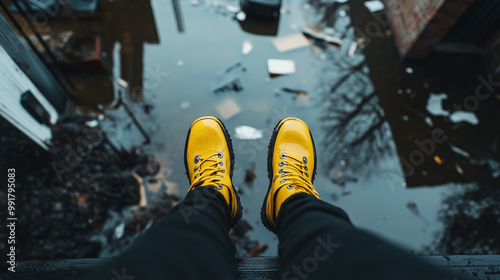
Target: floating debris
x: 291, y: 42
x: 246, y: 47
x: 280, y: 66
x: 234, y: 85
x: 321, y: 36
x: 374, y: 6
x: 227, y: 109
x: 244, y: 132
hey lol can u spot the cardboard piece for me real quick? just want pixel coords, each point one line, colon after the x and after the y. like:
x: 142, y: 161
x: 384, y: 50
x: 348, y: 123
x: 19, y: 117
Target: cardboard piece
x: 292, y: 42
x: 227, y: 109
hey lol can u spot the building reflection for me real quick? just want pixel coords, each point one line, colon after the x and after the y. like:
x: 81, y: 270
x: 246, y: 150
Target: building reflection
x: 129, y: 23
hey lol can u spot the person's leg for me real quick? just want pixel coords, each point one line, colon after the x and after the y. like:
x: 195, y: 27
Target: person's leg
x: 318, y: 241
x: 192, y: 241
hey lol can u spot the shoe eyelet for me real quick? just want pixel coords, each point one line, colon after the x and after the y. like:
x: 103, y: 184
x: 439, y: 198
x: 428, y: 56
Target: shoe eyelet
x: 290, y: 187
x: 283, y: 155
x: 281, y: 170
x: 304, y: 159
x: 223, y: 170
x: 221, y: 163
x: 283, y: 175
x: 305, y: 167
x: 196, y: 176
x: 219, y: 187
x: 283, y: 181
x: 197, y: 159
x: 307, y: 174
x: 195, y: 168
x: 220, y: 154
x: 281, y: 163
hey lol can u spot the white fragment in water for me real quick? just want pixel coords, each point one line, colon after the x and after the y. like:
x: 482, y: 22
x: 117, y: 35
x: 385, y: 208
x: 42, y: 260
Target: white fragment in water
x: 180, y: 62
x: 307, y: 7
x: 374, y: 6
x: 248, y: 133
x: 119, y: 230
x: 246, y: 47
x: 92, y: 123
x: 434, y: 104
x: 342, y: 13
x: 463, y: 116
x: 409, y: 70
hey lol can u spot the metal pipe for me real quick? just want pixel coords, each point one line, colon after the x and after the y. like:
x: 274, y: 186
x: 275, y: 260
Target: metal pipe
x: 42, y: 42
x: 30, y: 43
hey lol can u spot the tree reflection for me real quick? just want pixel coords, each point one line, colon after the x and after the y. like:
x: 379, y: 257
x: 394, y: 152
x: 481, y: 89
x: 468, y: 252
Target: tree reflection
x: 471, y: 221
x: 357, y: 132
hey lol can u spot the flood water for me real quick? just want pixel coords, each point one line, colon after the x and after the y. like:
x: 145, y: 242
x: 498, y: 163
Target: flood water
x: 365, y: 109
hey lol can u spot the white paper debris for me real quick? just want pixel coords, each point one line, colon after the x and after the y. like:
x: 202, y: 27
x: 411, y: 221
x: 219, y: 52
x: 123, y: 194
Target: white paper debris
x: 409, y: 70
x: 92, y: 123
x: 291, y: 42
x: 434, y: 104
x: 280, y: 66
x: 246, y: 47
x: 463, y: 116
x: 435, y: 107
x: 248, y: 133
x: 374, y: 6
x: 228, y: 109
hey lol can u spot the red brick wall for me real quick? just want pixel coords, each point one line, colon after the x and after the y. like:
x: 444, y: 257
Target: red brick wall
x: 419, y: 25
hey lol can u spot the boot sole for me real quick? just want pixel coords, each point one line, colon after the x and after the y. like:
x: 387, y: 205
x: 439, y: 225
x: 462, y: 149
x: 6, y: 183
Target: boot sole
x: 239, y: 211
x: 270, y: 152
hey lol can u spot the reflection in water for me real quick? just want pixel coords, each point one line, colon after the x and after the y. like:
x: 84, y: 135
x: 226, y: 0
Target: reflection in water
x: 260, y: 26
x: 357, y: 134
x: 471, y: 219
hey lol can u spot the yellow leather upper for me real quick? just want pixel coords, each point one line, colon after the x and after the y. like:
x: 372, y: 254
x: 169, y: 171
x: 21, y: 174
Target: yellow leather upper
x: 293, y: 148
x: 209, y: 160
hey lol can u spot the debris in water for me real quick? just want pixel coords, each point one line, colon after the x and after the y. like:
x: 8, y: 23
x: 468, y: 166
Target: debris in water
x: 438, y: 160
x: 250, y: 175
x: 352, y: 49
x: 246, y: 47
x: 234, y: 85
x: 228, y: 109
x: 321, y: 36
x: 244, y: 132
x: 119, y: 231
x: 291, y: 42
x: 374, y: 6
x: 295, y: 91
x: 280, y: 66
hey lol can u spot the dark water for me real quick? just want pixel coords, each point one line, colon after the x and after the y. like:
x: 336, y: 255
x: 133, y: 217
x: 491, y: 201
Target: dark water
x: 365, y: 112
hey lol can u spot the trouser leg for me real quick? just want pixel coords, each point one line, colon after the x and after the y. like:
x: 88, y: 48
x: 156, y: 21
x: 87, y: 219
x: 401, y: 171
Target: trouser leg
x: 318, y: 241
x: 191, y: 242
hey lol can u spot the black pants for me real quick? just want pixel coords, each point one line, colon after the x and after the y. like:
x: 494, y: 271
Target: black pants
x: 317, y: 241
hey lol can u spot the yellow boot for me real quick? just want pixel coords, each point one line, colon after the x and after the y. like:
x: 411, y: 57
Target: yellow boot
x: 291, y: 167
x: 209, y: 161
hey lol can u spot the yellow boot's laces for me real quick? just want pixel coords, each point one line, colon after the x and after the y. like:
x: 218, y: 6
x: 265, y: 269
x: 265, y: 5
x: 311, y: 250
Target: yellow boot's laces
x: 209, y: 171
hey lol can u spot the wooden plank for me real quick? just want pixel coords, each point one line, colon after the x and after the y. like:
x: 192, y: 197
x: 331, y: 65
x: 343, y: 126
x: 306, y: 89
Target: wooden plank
x: 477, y: 266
